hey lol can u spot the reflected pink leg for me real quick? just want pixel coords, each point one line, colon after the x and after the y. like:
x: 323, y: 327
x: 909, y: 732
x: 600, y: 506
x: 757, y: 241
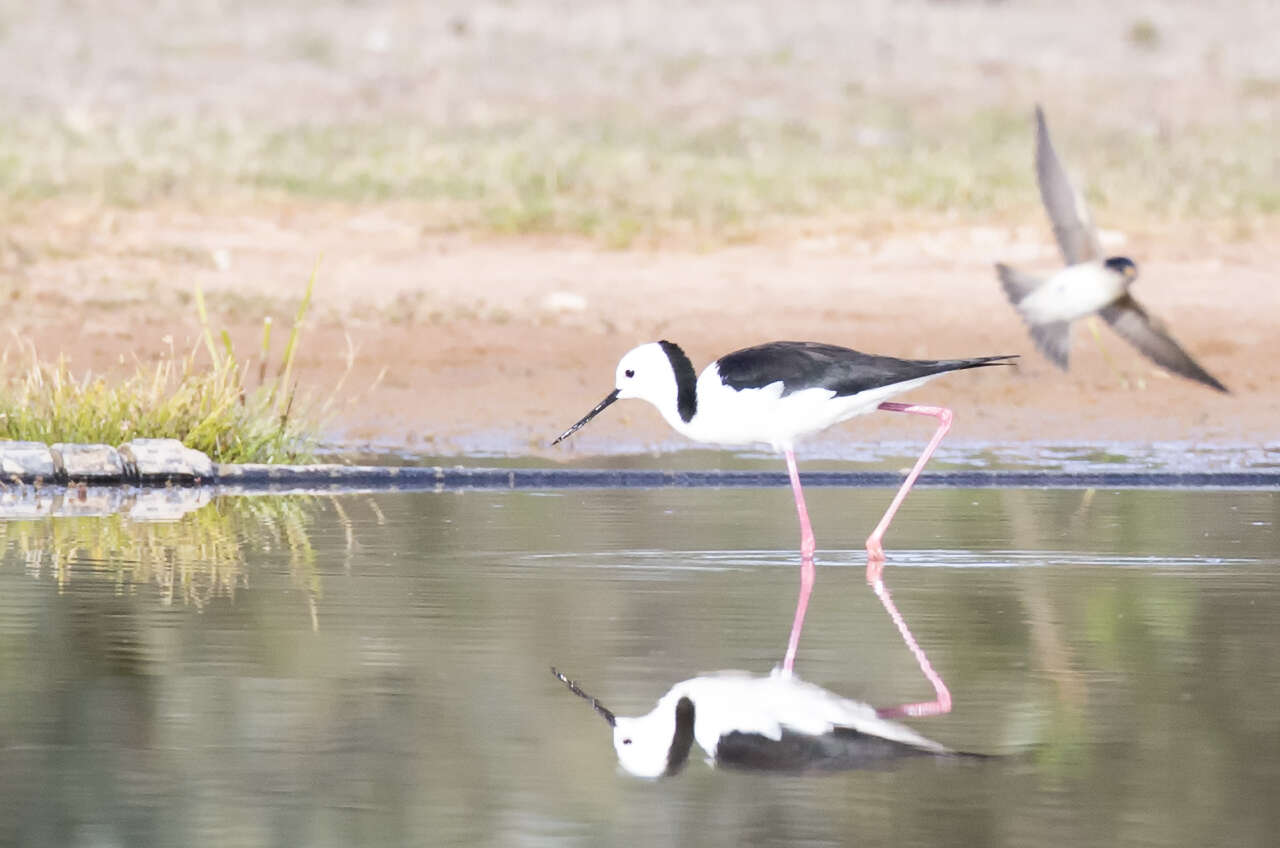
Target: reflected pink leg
x: 875, y: 550
x: 925, y: 708
x: 806, y: 565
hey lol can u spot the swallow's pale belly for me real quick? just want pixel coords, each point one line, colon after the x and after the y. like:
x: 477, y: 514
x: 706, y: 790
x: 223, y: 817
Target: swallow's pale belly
x: 1072, y: 293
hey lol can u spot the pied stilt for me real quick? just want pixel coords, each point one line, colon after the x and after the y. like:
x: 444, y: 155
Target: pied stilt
x: 775, y: 723
x: 775, y: 394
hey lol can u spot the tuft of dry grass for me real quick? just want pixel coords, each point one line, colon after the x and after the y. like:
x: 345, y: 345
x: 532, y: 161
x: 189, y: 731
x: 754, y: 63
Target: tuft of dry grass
x: 233, y: 410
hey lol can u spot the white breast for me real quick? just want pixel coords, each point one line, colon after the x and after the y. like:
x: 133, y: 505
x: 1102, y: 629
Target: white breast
x: 733, y: 417
x: 1072, y: 293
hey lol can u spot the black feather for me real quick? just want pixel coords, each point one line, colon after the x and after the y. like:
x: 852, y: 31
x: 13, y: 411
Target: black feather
x: 812, y: 365
x: 841, y: 750
x: 682, y: 739
x: 686, y: 380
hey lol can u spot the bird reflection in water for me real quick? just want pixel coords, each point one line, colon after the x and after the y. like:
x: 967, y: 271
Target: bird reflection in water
x: 775, y: 722
x: 941, y: 704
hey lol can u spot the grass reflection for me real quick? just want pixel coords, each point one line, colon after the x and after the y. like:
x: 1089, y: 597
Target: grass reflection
x: 193, y: 560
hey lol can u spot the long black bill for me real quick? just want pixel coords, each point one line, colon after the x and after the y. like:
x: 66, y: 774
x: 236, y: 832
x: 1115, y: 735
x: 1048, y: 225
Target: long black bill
x: 595, y: 705
x: 600, y: 407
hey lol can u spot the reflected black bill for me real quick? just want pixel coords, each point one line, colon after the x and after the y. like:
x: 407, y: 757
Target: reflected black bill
x: 573, y: 687
x: 600, y: 407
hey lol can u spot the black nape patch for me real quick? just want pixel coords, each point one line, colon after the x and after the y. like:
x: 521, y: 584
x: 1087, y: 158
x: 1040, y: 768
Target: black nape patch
x: 686, y: 380
x: 682, y: 739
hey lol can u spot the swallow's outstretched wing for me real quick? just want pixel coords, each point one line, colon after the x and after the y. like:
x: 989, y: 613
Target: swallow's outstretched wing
x: 1149, y: 335
x: 1072, y: 224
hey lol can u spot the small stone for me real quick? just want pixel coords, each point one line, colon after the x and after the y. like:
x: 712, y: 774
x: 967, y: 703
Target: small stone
x: 166, y: 459
x: 26, y: 460
x: 564, y: 302
x: 89, y: 462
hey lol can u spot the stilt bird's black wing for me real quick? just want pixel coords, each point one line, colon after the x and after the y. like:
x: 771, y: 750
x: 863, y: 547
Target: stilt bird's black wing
x: 812, y: 365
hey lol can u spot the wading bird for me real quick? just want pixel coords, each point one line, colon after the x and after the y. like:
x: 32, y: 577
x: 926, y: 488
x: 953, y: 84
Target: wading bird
x: 775, y: 394
x: 773, y: 723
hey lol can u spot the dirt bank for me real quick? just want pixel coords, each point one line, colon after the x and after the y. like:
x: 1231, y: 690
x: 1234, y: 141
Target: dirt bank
x: 497, y: 345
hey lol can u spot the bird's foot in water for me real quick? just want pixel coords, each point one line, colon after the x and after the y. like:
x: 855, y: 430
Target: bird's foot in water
x: 875, y: 560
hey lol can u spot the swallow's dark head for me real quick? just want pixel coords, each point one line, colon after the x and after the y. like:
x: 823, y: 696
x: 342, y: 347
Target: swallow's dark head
x: 1123, y: 266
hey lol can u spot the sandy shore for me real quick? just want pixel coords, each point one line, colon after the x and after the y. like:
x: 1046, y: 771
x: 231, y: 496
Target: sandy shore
x: 493, y: 345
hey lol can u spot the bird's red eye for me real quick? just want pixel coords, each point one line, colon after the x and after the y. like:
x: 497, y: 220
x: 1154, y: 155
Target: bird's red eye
x: 626, y: 741
x: 629, y: 373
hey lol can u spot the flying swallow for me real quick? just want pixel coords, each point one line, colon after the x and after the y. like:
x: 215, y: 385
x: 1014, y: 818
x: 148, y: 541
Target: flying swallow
x: 1092, y: 283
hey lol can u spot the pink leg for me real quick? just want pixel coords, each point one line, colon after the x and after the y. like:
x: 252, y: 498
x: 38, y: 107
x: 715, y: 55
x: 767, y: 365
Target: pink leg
x: 925, y: 708
x: 875, y: 550
x: 806, y: 565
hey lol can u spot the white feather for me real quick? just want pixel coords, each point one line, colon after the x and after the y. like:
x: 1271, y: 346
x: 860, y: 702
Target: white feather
x: 732, y: 417
x: 1073, y: 292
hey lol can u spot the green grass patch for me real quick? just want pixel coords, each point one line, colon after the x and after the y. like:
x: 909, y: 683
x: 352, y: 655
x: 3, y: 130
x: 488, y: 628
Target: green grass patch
x: 233, y: 410
x: 621, y: 182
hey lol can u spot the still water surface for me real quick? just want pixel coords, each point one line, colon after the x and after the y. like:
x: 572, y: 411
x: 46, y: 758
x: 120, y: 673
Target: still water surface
x: 373, y: 670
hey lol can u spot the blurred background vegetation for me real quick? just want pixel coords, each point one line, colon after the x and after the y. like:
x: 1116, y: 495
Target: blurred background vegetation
x: 644, y: 123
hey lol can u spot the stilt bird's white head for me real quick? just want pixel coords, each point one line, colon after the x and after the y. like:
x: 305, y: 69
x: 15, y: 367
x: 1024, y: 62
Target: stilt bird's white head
x: 646, y: 372
x: 658, y: 372
x: 652, y: 745
x: 656, y: 744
